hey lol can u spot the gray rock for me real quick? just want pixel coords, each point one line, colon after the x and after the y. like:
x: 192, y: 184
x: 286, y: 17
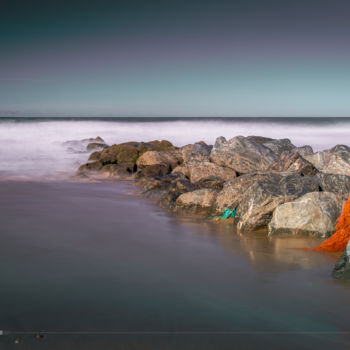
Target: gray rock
x: 242, y: 155
x: 259, y: 139
x: 96, y: 145
x: 333, y: 161
x: 342, y: 267
x: 338, y: 184
x: 293, y: 161
x: 304, y: 150
x: 279, y: 146
x: 312, y: 214
x: 166, y: 189
x: 198, y: 151
x: 257, y: 195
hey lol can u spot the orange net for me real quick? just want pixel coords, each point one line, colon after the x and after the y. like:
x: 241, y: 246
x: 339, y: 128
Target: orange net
x: 338, y: 241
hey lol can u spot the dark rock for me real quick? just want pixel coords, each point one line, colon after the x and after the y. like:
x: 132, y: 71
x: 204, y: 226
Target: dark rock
x: 279, y: 146
x: 165, y: 189
x: 154, y: 170
x: 338, y: 184
x: 304, y: 150
x: 198, y: 151
x: 293, y: 161
x: 242, y: 155
x: 95, y: 145
x: 96, y: 139
x: 88, y: 167
x: 259, y: 139
x: 342, y: 267
x: 124, y: 170
x: 257, y: 195
x: 213, y: 182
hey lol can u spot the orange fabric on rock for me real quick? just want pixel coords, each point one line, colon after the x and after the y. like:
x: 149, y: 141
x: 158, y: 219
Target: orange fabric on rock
x: 338, y: 241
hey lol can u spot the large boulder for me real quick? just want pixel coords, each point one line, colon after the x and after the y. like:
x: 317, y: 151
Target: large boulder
x: 242, y: 154
x: 333, y: 161
x: 342, y: 267
x: 256, y: 195
x: 198, y: 151
x: 304, y: 150
x: 313, y: 214
x: 198, y: 199
x: 293, y: 161
x: 198, y: 171
x: 157, y: 158
x: 338, y: 184
x: 279, y: 146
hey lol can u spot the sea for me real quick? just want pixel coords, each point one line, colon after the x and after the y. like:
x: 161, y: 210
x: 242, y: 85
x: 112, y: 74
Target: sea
x: 92, y: 265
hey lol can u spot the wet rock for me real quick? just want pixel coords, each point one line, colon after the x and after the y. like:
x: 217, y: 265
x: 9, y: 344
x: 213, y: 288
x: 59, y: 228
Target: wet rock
x: 202, y: 198
x: 333, y: 161
x: 121, y: 171
x: 313, y: 214
x: 338, y: 184
x: 342, y: 267
x: 198, y: 151
x: 95, y: 145
x: 165, y: 189
x: 154, y: 170
x: 293, y: 161
x: 90, y: 167
x: 257, y: 195
x: 96, y: 139
x: 198, y: 171
x: 95, y: 155
x: 242, y: 155
x: 279, y: 146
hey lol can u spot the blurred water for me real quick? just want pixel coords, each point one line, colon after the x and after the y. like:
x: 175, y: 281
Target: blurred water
x: 33, y: 148
x: 77, y: 259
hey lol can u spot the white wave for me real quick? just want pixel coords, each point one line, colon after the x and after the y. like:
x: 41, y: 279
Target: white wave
x: 32, y: 150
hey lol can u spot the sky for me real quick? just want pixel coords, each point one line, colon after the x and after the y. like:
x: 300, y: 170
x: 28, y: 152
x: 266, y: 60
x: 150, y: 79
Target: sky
x: 175, y: 58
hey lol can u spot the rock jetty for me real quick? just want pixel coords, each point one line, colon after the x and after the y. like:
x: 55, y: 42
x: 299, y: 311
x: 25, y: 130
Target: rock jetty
x: 271, y: 183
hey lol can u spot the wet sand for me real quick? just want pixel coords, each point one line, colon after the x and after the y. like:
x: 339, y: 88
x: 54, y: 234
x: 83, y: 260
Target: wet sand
x: 91, y: 265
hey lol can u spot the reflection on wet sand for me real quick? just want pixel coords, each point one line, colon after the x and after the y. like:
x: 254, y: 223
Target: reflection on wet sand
x: 267, y: 254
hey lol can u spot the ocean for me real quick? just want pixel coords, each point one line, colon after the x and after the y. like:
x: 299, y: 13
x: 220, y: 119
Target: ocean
x: 33, y: 148
x: 94, y: 266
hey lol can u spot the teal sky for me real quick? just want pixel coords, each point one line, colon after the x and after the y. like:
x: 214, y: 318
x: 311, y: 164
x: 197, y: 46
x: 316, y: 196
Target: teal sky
x: 194, y: 58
